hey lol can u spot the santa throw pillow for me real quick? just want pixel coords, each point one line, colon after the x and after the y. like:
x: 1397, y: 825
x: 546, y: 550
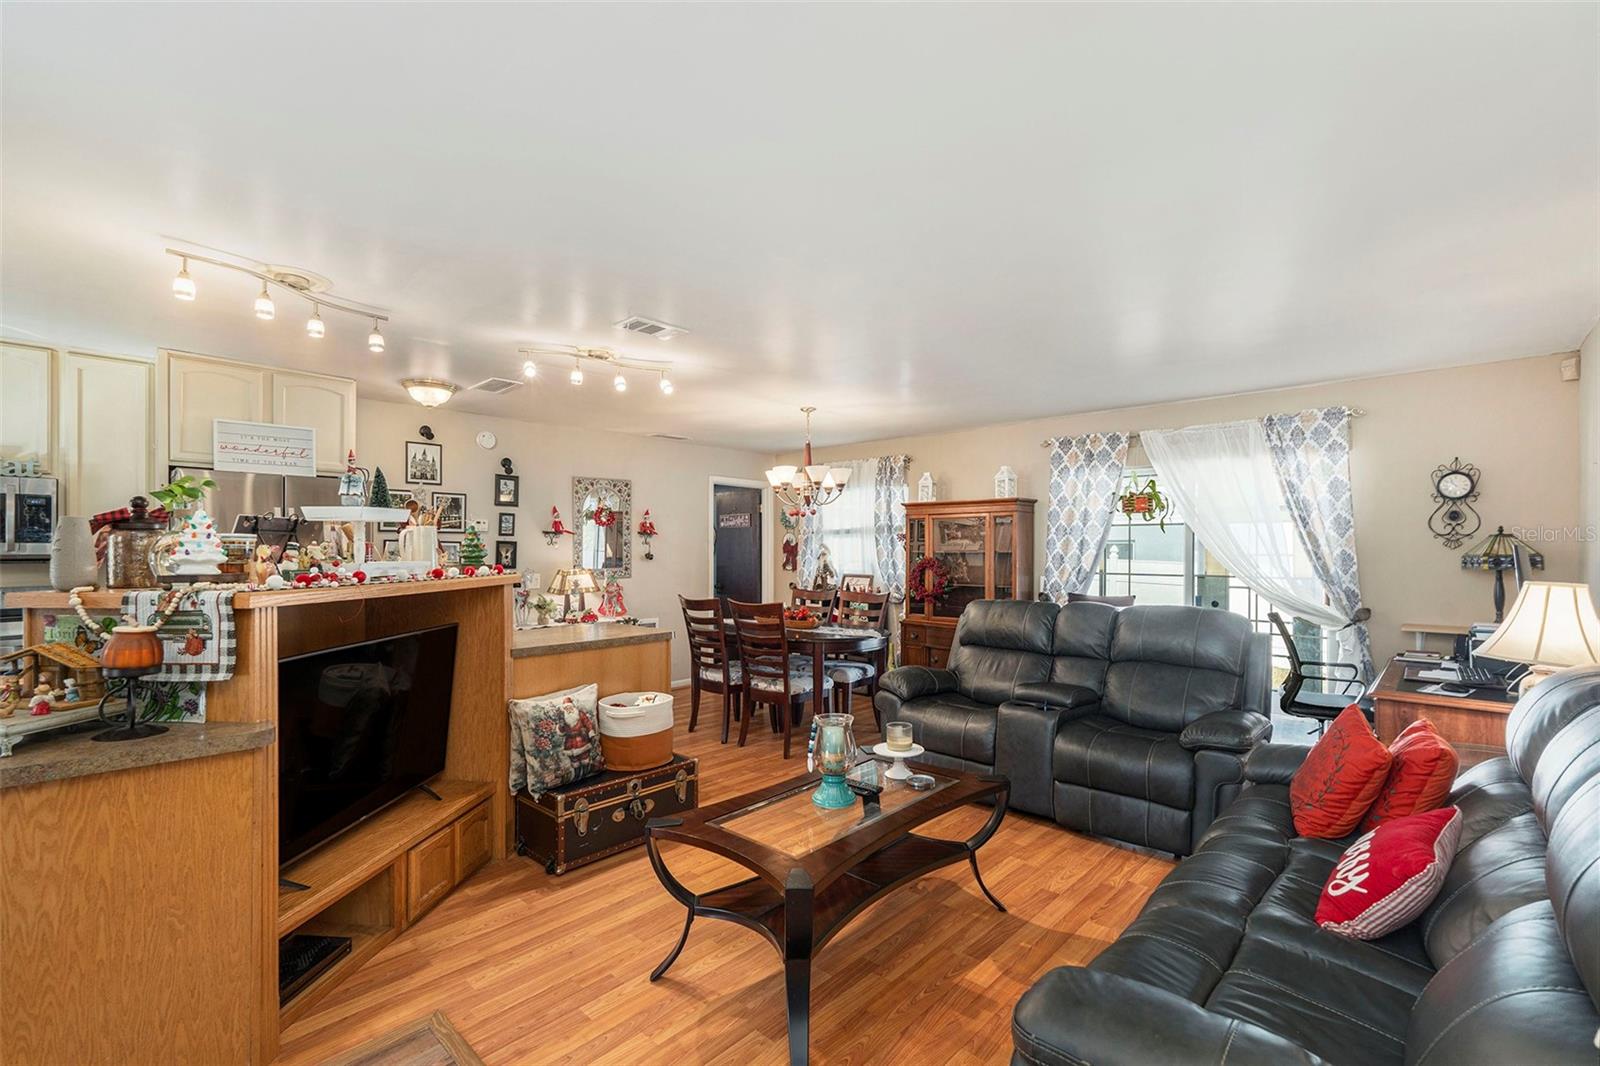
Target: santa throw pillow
x: 1390, y: 875
x: 1339, y: 779
x: 1423, y: 768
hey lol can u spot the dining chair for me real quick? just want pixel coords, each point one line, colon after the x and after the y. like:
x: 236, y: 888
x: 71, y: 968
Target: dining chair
x: 821, y: 601
x: 860, y: 610
x: 770, y: 677
x: 1320, y: 707
x: 713, y: 665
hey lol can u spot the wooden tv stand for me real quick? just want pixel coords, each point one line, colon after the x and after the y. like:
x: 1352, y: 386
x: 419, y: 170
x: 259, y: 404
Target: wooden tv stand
x: 205, y: 988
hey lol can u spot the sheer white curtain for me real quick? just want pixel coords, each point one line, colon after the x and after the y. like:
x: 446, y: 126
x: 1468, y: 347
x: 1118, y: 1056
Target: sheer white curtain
x: 845, y: 526
x: 1224, y: 482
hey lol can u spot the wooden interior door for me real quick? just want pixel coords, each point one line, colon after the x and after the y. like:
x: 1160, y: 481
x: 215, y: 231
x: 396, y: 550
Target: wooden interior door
x: 736, y: 543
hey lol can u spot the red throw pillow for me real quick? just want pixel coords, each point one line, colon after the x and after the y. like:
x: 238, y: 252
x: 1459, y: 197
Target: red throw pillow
x: 1339, y: 779
x: 1420, y: 776
x: 1390, y: 875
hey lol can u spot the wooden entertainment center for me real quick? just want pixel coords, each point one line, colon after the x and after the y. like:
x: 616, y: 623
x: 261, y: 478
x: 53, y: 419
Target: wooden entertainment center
x: 141, y: 908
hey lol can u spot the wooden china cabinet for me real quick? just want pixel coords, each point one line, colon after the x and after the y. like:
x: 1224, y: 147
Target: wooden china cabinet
x: 987, y: 545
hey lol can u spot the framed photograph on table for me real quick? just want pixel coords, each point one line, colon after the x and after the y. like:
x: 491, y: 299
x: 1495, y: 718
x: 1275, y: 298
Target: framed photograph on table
x: 391, y: 550
x: 855, y: 583
x: 452, y: 508
x: 424, y: 463
x: 397, y: 498
x: 507, y: 490
x: 452, y: 552
x: 505, y: 553
x: 508, y: 525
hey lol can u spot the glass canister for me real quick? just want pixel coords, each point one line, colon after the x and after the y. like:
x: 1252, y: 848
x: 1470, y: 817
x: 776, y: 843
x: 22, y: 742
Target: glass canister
x: 128, y: 548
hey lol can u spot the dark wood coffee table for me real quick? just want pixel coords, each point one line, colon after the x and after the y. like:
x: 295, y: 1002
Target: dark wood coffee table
x: 816, y: 869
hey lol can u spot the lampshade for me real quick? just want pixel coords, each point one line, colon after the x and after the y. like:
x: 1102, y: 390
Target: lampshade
x: 572, y: 579
x: 1551, y: 623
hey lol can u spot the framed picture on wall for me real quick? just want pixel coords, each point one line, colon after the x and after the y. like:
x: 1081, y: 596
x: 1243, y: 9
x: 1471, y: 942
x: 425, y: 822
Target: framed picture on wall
x: 424, y: 463
x: 508, y: 525
x: 452, y: 552
x: 507, y: 490
x: 397, y: 498
x: 505, y: 553
x: 452, y: 508
x: 391, y: 550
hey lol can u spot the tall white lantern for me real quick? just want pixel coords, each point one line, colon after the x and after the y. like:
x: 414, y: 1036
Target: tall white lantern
x: 1005, y: 483
x: 927, y: 489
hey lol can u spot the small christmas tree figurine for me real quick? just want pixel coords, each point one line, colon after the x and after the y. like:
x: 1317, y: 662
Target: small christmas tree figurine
x: 380, y: 490
x: 472, y: 550
x: 199, y: 549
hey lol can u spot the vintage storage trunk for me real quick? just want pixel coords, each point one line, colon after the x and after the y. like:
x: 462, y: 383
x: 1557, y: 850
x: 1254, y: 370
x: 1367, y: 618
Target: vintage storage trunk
x: 604, y: 814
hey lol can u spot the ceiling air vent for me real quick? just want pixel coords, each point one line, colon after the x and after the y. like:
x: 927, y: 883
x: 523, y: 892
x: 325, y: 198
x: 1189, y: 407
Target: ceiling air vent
x: 650, y: 327
x: 496, y: 385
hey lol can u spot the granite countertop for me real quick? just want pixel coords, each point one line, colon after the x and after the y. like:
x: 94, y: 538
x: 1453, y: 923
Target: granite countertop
x: 55, y: 757
x: 553, y: 640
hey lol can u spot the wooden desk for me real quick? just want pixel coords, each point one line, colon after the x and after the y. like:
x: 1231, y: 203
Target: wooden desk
x: 1476, y: 725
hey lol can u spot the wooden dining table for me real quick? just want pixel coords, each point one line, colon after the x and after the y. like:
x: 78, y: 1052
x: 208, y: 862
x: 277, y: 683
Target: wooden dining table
x: 822, y: 642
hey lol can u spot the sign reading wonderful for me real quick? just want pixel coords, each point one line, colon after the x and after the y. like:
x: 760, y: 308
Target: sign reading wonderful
x: 263, y: 448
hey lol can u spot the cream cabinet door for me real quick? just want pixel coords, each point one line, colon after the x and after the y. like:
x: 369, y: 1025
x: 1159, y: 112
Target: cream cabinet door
x: 326, y: 404
x: 27, y: 404
x: 200, y: 390
x: 107, y: 438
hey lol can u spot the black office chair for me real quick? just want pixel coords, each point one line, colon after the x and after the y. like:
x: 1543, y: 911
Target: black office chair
x: 1320, y: 707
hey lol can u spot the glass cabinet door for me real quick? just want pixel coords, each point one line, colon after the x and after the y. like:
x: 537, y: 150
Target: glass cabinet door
x: 961, y: 543
x: 1005, y: 566
x: 916, y: 548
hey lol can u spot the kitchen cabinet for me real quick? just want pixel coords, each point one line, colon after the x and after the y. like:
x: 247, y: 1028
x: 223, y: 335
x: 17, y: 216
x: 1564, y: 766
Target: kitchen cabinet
x: 327, y: 404
x: 106, y: 439
x: 27, y: 404
x: 200, y: 389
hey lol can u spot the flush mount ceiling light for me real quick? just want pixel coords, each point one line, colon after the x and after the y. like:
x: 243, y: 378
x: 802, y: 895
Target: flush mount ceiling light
x: 313, y: 287
x: 808, y: 486
x: 428, y: 392
x: 605, y: 356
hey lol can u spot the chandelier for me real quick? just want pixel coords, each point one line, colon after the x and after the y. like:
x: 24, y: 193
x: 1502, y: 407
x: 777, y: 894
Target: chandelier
x: 805, y: 488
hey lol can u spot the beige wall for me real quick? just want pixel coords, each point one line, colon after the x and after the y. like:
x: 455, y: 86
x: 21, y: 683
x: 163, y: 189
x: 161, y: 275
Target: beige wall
x: 1516, y: 420
x: 1589, y: 458
x: 669, y: 477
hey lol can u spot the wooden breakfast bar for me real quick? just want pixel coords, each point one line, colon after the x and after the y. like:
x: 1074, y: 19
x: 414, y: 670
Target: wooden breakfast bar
x: 140, y: 911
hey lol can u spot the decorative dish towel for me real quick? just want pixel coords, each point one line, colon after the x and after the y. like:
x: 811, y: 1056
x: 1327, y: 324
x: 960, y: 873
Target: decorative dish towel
x: 199, y: 642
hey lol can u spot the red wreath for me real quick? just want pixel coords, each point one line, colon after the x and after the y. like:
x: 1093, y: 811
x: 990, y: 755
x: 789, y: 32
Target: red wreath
x: 603, y: 516
x: 928, y: 579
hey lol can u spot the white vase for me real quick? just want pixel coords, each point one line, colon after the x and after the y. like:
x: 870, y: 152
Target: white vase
x: 72, y: 561
x: 419, y: 544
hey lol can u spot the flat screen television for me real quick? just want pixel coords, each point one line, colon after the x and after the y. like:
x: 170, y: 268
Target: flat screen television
x: 359, y: 726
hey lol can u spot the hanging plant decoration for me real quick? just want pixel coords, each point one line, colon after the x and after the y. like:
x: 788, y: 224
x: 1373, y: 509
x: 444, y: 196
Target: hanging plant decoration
x: 928, y: 579
x: 601, y: 516
x: 1147, y: 502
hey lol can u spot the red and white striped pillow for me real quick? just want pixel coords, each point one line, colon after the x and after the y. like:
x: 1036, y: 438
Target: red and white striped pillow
x: 1389, y: 875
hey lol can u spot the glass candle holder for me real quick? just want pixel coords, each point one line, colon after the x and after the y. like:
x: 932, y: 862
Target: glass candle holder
x: 835, y: 753
x: 897, y: 735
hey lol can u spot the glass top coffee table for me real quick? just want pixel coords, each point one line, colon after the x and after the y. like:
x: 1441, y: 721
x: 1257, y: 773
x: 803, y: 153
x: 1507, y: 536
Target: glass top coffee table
x: 815, y: 869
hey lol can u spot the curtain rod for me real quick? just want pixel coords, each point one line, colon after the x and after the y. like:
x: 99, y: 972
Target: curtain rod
x: 1133, y: 438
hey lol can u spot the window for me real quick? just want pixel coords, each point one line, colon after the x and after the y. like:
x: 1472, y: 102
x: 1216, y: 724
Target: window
x: 1171, y: 566
x: 845, y: 526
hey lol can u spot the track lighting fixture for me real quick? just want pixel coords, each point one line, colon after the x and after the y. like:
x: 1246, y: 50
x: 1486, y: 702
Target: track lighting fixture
x: 666, y: 384
x: 603, y: 356
x: 576, y: 377
x: 619, y: 382
x: 183, y: 284
x: 530, y: 369
x: 297, y: 281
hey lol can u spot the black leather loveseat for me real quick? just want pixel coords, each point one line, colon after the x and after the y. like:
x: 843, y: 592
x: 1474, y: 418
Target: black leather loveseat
x: 1131, y: 724
x: 1225, y: 965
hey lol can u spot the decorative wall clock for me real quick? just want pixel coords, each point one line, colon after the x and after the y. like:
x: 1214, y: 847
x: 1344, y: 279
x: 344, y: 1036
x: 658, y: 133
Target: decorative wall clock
x: 1455, y: 486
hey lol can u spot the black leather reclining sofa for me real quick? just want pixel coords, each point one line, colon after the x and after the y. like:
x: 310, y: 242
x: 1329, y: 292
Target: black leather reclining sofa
x: 1226, y: 966
x: 1131, y: 724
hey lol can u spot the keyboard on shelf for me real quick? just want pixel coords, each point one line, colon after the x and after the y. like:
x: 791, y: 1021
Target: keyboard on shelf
x: 1479, y: 677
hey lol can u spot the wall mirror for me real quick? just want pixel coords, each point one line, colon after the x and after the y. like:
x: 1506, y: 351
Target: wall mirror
x: 603, y: 508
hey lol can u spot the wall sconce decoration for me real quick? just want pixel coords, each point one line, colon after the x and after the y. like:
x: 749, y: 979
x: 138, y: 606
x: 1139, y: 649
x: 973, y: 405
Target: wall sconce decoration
x: 557, y: 528
x: 647, y: 533
x: 425, y: 432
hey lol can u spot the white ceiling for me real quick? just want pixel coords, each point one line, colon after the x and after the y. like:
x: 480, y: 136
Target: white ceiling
x: 915, y: 217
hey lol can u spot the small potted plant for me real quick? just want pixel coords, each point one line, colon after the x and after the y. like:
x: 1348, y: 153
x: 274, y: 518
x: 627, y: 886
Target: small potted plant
x: 1147, y: 502
x: 180, y: 496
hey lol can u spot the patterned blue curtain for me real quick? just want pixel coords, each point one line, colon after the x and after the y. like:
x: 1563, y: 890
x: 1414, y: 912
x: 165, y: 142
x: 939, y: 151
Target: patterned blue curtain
x: 1085, y: 478
x: 889, y: 523
x: 1311, y: 455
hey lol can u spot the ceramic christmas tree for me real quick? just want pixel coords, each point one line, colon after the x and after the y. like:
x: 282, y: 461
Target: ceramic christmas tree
x: 199, y: 551
x: 472, y: 550
x: 380, y: 490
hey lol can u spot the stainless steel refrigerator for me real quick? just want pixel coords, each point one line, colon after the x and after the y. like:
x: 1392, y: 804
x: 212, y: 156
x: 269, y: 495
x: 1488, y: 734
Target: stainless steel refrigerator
x: 259, y: 494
